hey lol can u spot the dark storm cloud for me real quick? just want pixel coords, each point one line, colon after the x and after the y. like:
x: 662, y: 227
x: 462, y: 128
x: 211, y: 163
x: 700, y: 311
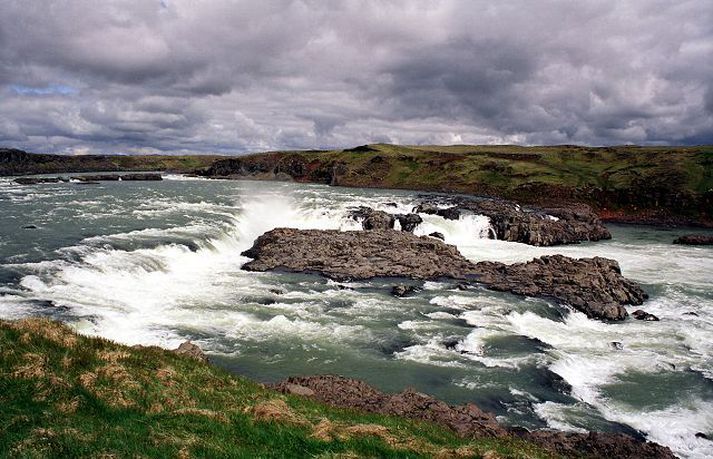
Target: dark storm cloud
x: 232, y: 76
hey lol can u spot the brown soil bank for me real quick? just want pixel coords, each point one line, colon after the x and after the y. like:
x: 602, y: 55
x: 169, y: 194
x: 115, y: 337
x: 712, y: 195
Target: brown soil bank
x: 594, y: 286
x: 653, y: 185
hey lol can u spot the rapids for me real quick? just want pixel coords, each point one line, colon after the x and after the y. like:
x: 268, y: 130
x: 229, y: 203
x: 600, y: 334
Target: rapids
x: 159, y: 263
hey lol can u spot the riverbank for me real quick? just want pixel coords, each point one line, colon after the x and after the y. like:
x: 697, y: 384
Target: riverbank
x: 70, y: 395
x: 670, y: 186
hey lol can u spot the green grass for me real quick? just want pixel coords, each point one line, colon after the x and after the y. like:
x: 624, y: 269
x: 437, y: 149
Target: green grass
x: 66, y: 395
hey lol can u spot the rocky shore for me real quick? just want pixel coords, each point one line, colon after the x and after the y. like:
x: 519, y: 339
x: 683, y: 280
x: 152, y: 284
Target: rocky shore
x: 593, y: 286
x: 694, y: 239
x: 466, y: 420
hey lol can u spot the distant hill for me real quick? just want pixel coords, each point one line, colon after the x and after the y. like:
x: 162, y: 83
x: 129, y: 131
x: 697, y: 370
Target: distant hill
x: 657, y: 185
x: 625, y: 183
x: 18, y: 162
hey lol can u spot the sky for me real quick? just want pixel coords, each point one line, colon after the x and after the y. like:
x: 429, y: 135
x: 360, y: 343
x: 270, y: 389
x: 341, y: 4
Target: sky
x: 199, y: 76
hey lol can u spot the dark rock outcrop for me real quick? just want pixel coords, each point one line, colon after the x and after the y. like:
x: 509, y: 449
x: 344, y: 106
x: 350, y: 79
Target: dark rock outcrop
x: 409, y: 222
x: 534, y: 226
x: 372, y: 219
x: 402, y: 290
x: 466, y: 420
x: 594, y: 286
x: 695, y: 239
x: 437, y: 235
x: 597, y: 444
x: 643, y: 315
x: 346, y: 255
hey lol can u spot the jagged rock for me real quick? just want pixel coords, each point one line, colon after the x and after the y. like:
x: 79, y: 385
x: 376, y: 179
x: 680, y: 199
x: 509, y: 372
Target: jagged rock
x: 402, y: 290
x: 449, y: 213
x: 594, y: 286
x: 534, y: 226
x: 616, y: 345
x: 694, y: 239
x: 191, y: 350
x: 438, y: 235
x: 409, y: 222
x: 643, y: 315
x: 597, y: 444
x: 372, y: 219
x: 451, y: 342
x: 467, y: 420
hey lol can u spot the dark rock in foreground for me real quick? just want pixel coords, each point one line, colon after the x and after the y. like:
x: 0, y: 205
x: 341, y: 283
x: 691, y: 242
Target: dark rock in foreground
x: 534, y: 226
x: 594, y: 286
x: 466, y: 420
x: 694, y: 239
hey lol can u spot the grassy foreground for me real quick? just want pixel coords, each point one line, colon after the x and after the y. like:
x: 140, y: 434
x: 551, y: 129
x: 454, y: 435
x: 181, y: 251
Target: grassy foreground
x: 66, y: 395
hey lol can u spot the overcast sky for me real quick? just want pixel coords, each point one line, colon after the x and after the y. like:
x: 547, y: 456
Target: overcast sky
x: 81, y: 76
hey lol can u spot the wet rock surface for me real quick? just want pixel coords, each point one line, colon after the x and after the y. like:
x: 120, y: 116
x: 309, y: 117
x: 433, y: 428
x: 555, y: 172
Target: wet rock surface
x: 528, y: 225
x: 695, y: 239
x: 466, y: 420
x: 594, y: 286
x: 643, y: 315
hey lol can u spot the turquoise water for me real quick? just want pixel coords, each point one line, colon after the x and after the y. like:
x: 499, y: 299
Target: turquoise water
x: 159, y: 263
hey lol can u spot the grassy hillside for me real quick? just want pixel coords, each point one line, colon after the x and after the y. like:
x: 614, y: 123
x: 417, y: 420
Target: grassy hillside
x: 65, y: 395
x: 656, y: 183
x: 17, y: 162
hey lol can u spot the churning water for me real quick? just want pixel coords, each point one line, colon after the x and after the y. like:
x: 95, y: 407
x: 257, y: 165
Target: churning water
x: 159, y: 263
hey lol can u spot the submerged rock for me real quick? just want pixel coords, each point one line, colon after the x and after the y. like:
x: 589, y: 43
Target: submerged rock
x: 643, y: 315
x: 466, y: 420
x: 695, y: 239
x: 534, y: 226
x: 594, y: 286
x: 372, y: 219
x: 409, y: 222
x: 402, y: 290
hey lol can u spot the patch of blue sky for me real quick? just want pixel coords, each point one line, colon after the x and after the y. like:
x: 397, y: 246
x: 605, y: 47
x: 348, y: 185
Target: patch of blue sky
x: 51, y: 89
